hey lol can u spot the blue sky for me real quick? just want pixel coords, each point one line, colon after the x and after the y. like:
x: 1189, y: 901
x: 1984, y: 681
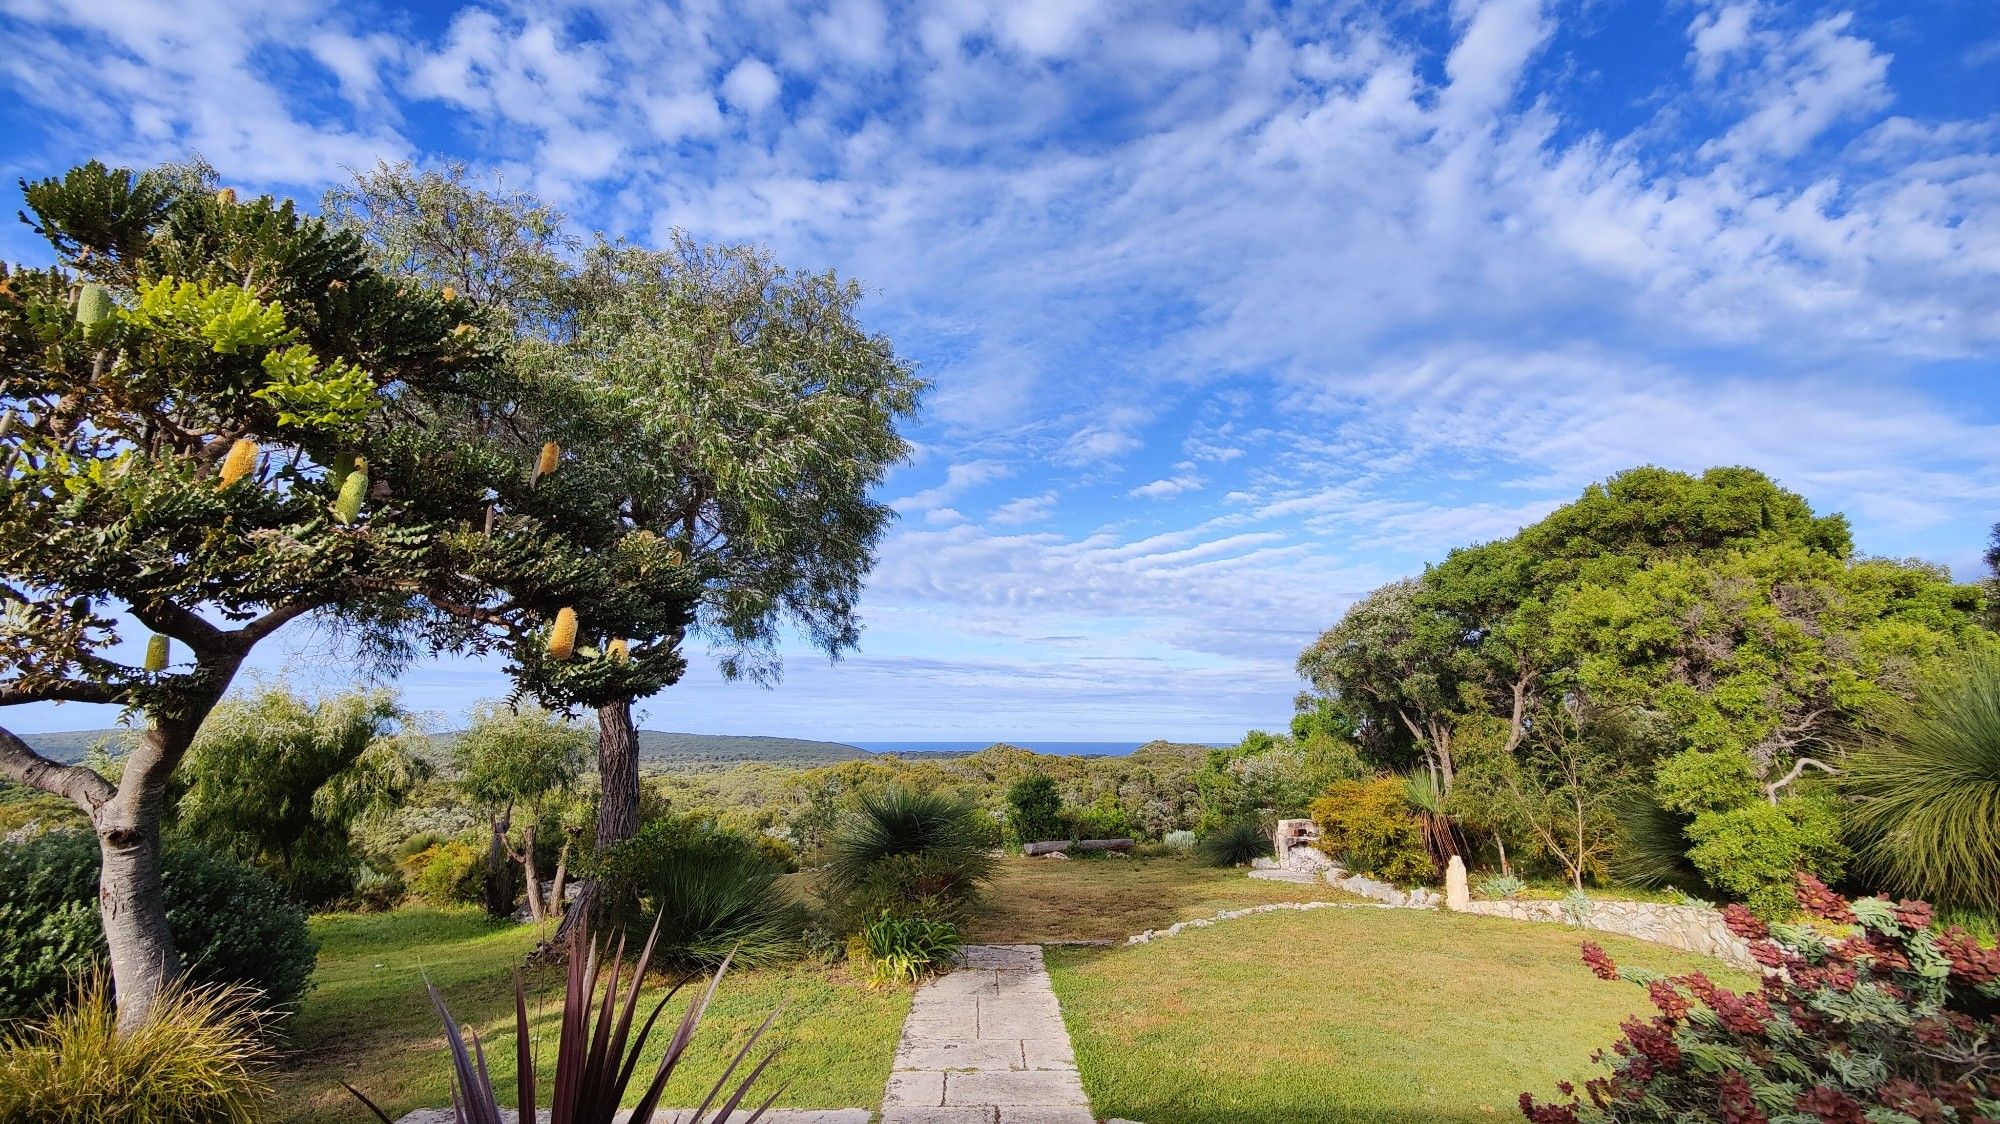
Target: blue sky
x: 1234, y: 310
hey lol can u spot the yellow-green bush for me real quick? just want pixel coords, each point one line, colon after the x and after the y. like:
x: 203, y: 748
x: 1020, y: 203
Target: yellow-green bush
x: 445, y: 873
x: 1371, y: 827
x: 201, y: 1058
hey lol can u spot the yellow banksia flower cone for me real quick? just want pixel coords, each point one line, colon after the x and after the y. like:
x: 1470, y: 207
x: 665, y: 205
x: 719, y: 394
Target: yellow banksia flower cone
x: 156, y: 653
x: 226, y: 197
x: 448, y: 293
x: 562, y: 638
x: 353, y: 489
x: 241, y: 460
x: 551, y: 453
x: 619, y: 651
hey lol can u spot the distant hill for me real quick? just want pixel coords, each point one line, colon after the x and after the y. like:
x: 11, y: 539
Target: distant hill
x: 657, y: 748
x: 69, y: 746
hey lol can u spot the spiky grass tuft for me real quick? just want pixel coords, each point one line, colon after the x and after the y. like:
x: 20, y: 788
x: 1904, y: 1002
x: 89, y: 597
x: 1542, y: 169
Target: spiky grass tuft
x: 1235, y: 844
x: 1926, y: 784
x: 200, y: 1056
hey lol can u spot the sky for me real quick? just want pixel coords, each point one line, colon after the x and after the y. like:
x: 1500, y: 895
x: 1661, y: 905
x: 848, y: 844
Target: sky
x: 1233, y: 311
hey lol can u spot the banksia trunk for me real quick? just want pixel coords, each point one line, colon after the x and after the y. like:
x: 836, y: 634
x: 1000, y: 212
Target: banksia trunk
x: 241, y: 459
x: 347, y: 508
x: 562, y: 638
x: 547, y: 463
x: 156, y: 654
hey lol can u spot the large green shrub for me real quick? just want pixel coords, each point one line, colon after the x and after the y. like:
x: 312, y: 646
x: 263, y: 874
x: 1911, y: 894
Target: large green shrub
x: 230, y: 921
x: 1372, y: 827
x: 444, y: 873
x: 1926, y: 783
x: 908, y: 854
x: 1741, y: 843
x: 1887, y: 1021
x: 1034, y: 809
x: 712, y: 892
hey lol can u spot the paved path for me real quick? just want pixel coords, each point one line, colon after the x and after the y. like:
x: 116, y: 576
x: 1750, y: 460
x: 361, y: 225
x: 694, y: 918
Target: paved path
x: 672, y: 1115
x: 986, y: 1045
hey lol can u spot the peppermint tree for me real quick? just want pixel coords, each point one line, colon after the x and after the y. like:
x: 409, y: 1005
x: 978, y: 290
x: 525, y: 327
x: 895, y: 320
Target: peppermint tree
x: 212, y: 415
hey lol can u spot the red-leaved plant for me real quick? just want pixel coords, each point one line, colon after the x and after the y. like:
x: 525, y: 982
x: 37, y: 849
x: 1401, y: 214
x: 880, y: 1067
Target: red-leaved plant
x: 1890, y: 1023
x: 596, y: 1056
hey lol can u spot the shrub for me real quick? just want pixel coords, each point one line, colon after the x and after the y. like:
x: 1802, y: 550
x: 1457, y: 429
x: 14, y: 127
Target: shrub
x: 708, y: 891
x: 1890, y: 1021
x: 1100, y: 819
x: 199, y: 1058
x: 907, y: 853
x: 1034, y: 809
x: 905, y: 949
x: 1234, y: 844
x: 1372, y: 828
x: 1753, y: 852
x: 1182, y: 841
x: 447, y: 873
x: 1502, y: 886
x: 230, y: 922
x: 1927, y: 779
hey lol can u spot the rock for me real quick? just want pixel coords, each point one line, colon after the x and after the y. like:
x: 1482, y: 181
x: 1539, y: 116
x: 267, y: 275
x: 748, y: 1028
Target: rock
x: 1457, y: 894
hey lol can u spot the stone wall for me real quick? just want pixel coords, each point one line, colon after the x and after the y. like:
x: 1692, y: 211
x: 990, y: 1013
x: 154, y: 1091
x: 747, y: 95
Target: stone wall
x: 1689, y: 928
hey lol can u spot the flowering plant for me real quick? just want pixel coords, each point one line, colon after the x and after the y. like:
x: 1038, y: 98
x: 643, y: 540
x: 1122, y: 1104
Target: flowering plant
x: 1890, y: 1022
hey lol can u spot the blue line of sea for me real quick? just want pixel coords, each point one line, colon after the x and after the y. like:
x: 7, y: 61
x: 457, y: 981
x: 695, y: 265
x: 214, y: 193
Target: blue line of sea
x: 1067, y: 749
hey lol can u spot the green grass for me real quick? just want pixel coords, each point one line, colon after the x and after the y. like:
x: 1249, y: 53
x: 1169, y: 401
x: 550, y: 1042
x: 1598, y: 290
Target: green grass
x: 1044, y: 900
x: 368, y: 1022
x: 1345, y: 1015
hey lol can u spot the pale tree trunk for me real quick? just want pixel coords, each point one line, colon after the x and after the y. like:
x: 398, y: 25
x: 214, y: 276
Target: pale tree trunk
x: 499, y: 876
x: 618, y: 797
x: 526, y: 857
x: 130, y: 894
x: 561, y: 883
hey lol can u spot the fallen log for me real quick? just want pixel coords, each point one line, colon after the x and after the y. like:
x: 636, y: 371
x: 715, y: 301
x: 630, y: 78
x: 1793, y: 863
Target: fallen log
x: 1055, y: 845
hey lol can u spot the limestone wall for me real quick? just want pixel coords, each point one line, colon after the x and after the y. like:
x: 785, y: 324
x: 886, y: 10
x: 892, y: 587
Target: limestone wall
x: 1687, y: 927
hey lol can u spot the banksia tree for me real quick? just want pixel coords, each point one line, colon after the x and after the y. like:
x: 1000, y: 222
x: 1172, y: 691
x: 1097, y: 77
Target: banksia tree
x: 241, y: 460
x: 237, y: 328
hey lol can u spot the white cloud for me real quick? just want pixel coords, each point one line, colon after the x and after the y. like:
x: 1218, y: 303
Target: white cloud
x: 958, y: 480
x: 751, y: 86
x: 1167, y: 487
x: 1027, y: 509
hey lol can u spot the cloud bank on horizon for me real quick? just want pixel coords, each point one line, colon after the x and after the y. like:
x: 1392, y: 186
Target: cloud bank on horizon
x: 1234, y: 311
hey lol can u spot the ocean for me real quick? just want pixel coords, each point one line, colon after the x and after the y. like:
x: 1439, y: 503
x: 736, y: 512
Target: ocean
x: 1067, y: 749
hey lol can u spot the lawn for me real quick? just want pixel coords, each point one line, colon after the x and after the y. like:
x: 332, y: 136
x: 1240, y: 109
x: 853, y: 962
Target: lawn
x: 1337, y: 1015
x: 367, y: 1020
x: 1045, y: 900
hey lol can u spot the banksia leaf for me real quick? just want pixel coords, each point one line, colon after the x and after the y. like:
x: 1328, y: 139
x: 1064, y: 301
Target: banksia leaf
x: 226, y: 197
x: 156, y: 653
x: 93, y: 305
x: 347, y: 507
x: 619, y: 651
x: 241, y: 459
x: 562, y: 638
x: 551, y: 452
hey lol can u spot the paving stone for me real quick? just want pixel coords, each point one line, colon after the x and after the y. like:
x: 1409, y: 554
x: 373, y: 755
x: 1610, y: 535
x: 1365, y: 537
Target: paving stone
x: 1048, y: 1053
x: 914, y: 1089
x: 963, y: 1114
x: 1041, y: 1088
x: 673, y: 1115
x: 960, y: 1053
x: 1015, y: 1114
x: 1002, y: 956
x: 1020, y: 1021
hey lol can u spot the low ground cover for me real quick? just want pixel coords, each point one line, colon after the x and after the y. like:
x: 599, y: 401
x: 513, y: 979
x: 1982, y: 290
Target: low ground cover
x: 368, y: 1022
x: 1042, y: 900
x: 1375, y: 1015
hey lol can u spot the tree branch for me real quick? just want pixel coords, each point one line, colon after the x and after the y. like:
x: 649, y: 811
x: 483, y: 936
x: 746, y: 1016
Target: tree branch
x: 1798, y: 767
x: 81, y: 786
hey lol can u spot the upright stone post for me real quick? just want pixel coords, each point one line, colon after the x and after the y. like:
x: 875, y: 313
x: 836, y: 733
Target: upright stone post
x: 1457, y: 895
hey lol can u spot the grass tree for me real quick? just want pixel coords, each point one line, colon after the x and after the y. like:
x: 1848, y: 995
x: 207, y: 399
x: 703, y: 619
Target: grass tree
x: 208, y: 433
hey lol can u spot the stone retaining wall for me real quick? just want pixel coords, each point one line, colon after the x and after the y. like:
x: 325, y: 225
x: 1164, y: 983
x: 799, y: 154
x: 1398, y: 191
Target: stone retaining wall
x: 1690, y: 928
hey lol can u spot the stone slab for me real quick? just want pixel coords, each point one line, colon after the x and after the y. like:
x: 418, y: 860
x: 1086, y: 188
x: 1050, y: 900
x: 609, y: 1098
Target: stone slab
x: 673, y: 1115
x: 914, y: 1089
x: 960, y: 1053
x: 1031, y: 1088
x: 1297, y: 877
x: 1015, y: 1114
x: 963, y: 1114
x: 1002, y: 956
